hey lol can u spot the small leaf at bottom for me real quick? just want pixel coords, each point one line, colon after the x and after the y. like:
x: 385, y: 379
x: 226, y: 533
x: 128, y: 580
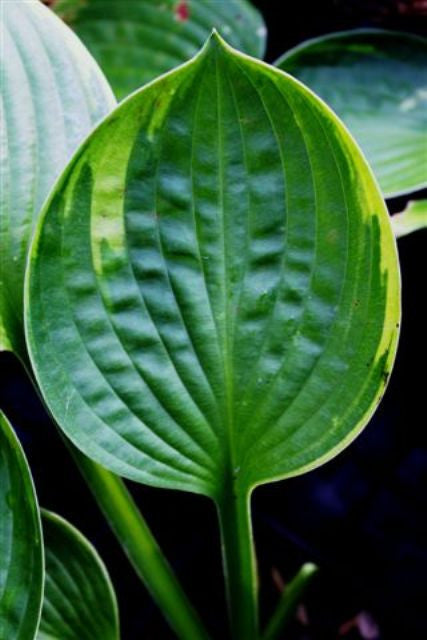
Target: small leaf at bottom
x: 79, y: 600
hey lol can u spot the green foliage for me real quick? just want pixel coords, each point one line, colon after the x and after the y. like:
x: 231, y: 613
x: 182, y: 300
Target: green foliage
x: 79, y: 601
x: 137, y: 40
x: 212, y: 298
x: 52, y: 92
x: 21, y: 554
x: 376, y: 82
x: 202, y: 236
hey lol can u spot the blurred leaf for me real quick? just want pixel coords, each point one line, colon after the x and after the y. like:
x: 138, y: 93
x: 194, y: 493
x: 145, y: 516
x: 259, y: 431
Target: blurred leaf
x: 289, y: 601
x: 412, y: 218
x: 137, y: 40
x: 21, y: 555
x: 376, y: 82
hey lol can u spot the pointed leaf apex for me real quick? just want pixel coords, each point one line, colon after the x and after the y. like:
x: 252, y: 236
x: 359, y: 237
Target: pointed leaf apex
x: 215, y: 40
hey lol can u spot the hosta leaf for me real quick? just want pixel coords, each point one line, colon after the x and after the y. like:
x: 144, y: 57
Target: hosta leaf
x: 412, y: 218
x: 137, y: 40
x: 213, y: 290
x: 21, y: 556
x: 52, y: 93
x: 376, y: 82
x: 79, y: 601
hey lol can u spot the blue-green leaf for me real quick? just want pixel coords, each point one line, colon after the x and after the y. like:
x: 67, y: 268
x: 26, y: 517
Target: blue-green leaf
x: 52, y: 93
x: 376, y: 82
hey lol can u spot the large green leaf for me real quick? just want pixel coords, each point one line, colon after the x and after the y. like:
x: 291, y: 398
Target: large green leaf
x: 135, y: 41
x: 213, y: 289
x: 376, y: 82
x: 212, y: 299
x: 79, y: 601
x: 52, y: 93
x: 21, y: 555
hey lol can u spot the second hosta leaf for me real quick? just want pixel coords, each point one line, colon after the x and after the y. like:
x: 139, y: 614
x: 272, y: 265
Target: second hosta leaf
x: 213, y: 290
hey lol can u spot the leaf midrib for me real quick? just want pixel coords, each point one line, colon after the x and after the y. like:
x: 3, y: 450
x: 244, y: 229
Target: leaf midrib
x: 227, y: 346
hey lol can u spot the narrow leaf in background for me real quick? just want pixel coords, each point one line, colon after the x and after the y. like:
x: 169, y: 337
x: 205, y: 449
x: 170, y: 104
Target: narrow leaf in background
x: 21, y: 554
x: 412, y: 218
x: 135, y: 41
x: 52, y: 93
x: 376, y: 82
x: 79, y: 601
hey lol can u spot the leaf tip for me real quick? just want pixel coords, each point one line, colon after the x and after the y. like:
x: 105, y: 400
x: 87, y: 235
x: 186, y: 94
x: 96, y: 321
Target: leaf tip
x: 215, y: 40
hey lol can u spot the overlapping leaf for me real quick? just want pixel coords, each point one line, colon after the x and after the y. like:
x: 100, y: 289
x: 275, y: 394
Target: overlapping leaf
x: 79, y: 601
x: 52, y: 92
x: 213, y: 290
x: 21, y: 556
x: 376, y: 82
x: 137, y: 40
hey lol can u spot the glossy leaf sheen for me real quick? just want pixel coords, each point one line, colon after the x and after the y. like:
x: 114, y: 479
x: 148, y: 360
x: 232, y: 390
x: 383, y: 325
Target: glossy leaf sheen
x: 52, y: 93
x: 79, y: 601
x: 376, y: 82
x: 213, y: 291
x: 21, y: 556
x: 137, y: 40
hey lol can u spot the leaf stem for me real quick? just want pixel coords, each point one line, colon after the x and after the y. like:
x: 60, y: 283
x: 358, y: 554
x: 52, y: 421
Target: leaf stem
x: 288, y: 602
x: 140, y: 546
x: 239, y: 563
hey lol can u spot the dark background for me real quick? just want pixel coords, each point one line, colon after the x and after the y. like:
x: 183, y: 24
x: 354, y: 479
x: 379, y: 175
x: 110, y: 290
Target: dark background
x: 362, y: 517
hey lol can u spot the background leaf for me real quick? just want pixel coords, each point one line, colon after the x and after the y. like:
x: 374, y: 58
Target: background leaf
x: 412, y: 218
x: 21, y: 555
x: 376, y: 82
x: 213, y: 291
x: 79, y: 600
x: 52, y: 93
x: 137, y: 40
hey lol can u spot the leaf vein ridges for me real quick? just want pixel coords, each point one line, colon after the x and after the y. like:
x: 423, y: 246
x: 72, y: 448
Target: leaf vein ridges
x: 166, y: 463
